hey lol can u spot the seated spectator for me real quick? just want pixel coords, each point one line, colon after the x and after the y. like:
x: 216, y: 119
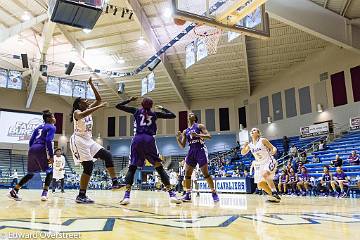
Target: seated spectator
x: 293, y: 179
x: 354, y: 158
x: 303, y: 157
x: 338, y: 162
x: 324, y: 186
x: 315, y: 158
x: 284, y: 178
x: 304, y: 181
x: 286, y: 143
x: 322, y: 145
x: 237, y: 145
x: 340, y: 180
x: 293, y: 150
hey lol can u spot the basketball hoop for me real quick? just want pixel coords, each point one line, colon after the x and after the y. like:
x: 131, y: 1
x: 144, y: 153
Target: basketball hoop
x: 210, y: 36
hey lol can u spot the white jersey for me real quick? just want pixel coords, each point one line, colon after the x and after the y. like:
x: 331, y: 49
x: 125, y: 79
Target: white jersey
x: 59, y: 163
x: 83, y: 127
x: 260, y: 151
x: 264, y: 162
x: 83, y: 147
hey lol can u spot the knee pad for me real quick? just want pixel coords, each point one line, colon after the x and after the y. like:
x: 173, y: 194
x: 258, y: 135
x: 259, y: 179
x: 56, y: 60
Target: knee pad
x: 163, y: 175
x: 26, y: 178
x: 88, y: 167
x: 129, y: 178
x: 106, y: 156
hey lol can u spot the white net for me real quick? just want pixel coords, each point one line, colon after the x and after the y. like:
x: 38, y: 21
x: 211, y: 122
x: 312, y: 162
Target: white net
x: 210, y: 36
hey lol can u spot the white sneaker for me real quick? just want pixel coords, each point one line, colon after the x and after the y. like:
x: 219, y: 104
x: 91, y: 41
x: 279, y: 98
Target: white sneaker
x: 125, y: 201
x: 44, y: 196
x: 175, y: 200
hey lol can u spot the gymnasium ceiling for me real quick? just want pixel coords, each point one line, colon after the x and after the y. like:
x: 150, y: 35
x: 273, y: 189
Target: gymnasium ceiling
x: 238, y: 66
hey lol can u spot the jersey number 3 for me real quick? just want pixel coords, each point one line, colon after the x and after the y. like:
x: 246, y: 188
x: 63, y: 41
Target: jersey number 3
x: 148, y: 120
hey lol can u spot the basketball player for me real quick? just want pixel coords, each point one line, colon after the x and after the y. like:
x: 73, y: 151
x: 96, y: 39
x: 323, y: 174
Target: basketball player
x: 143, y: 145
x: 195, y: 134
x: 263, y: 152
x: 84, y: 149
x: 40, y: 155
x: 58, y: 170
x: 194, y: 177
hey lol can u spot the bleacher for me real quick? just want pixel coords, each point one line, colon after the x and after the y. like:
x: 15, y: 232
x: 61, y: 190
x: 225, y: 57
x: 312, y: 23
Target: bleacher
x: 343, y: 147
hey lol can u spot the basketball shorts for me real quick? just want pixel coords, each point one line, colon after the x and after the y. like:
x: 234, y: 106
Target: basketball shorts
x: 83, y: 149
x: 262, y: 167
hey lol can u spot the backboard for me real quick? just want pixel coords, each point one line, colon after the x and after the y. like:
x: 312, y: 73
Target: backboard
x: 247, y: 17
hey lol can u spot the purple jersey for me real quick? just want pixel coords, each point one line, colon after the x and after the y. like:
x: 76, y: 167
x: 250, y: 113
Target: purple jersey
x: 145, y: 125
x: 340, y: 176
x: 292, y: 178
x: 304, y: 177
x: 44, y: 135
x: 326, y: 177
x: 196, y: 142
x: 283, y: 178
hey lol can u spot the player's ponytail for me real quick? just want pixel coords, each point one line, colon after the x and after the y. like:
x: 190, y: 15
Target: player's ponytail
x: 147, y: 104
x: 76, y: 106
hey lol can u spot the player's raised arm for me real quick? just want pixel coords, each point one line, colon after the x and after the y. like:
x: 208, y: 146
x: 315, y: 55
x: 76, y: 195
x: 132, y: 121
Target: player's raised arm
x: 269, y: 146
x: 181, y: 139
x: 122, y: 106
x: 78, y: 114
x: 165, y: 113
x: 204, y: 132
x: 96, y: 93
x: 245, y: 150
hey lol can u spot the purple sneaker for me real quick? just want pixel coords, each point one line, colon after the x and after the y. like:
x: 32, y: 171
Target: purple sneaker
x: 126, y: 199
x: 215, y: 197
x: 44, y: 196
x: 173, y: 198
x: 14, y: 195
x: 187, y: 197
x: 83, y: 200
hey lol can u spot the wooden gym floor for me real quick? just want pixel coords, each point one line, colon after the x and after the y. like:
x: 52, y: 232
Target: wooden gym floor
x: 150, y: 216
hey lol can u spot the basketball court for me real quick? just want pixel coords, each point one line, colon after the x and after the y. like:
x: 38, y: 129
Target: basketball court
x: 205, y: 56
x: 150, y: 216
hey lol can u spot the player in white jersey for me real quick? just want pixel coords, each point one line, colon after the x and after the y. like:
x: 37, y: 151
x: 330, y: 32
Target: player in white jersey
x: 84, y: 149
x: 264, y: 163
x: 58, y: 170
x: 194, y: 177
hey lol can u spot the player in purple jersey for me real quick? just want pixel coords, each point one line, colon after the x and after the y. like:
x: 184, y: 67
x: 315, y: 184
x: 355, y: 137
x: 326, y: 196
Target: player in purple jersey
x: 341, y: 181
x: 324, y: 185
x: 195, y: 135
x: 40, y: 155
x: 304, y: 181
x: 293, y: 179
x: 143, y: 145
x: 284, y: 178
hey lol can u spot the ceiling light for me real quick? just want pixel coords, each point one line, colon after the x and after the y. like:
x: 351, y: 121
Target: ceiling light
x: 115, y: 11
x: 86, y: 30
x: 167, y: 13
x: 131, y: 14
x: 26, y: 16
x: 141, y: 41
x: 123, y: 12
x: 121, y: 60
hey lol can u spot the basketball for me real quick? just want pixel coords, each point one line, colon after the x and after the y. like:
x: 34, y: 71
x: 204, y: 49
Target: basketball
x: 179, y: 21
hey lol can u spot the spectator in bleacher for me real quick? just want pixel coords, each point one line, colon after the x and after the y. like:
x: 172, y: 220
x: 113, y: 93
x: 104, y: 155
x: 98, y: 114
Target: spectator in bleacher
x: 293, y: 150
x: 322, y: 145
x: 324, y: 186
x: 304, y: 181
x: 14, y: 177
x: 354, y: 158
x: 293, y: 179
x: 284, y: 179
x: 338, y: 162
x: 237, y: 145
x: 286, y: 143
x: 303, y: 157
x: 340, y: 180
x: 315, y: 158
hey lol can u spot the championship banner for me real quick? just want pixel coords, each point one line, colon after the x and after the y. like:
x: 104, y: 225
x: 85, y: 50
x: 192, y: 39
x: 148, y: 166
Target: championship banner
x: 229, y: 185
x: 355, y: 123
x: 314, y: 130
